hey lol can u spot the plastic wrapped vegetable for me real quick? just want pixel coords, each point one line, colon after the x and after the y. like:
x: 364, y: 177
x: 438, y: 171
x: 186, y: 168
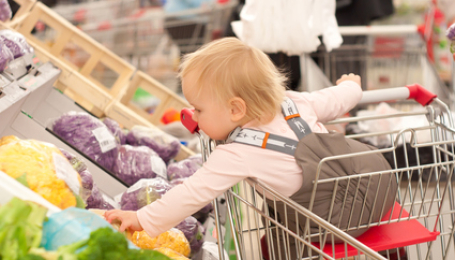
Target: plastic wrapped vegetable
x: 87, y: 185
x: 184, y: 168
x: 97, y: 200
x: 43, y: 168
x: 451, y: 36
x: 115, y: 129
x: 135, y: 163
x: 89, y: 135
x: 76, y: 162
x: 5, y: 56
x: 5, y: 11
x: 193, y: 232
x: 8, y: 139
x: 143, y: 193
x: 166, y: 146
x: 171, y: 253
x: 173, y: 239
x: 15, y: 42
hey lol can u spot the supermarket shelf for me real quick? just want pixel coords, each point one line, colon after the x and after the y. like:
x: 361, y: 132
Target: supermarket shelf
x: 78, y: 83
x: 168, y: 99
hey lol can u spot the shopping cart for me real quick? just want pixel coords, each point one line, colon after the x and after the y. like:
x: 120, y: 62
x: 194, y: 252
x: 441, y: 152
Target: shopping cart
x: 131, y: 29
x: 384, y: 56
x: 419, y: 226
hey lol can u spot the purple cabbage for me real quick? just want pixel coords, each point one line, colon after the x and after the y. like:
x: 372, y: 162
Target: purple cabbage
x: 78, y: 130
x: 194, y: 233
x: 165, y: 145
x: 76, y: 162
x: 143, y: 193
x: 135, y: 163
x: 15, y: 42
x: 184, y: 168
x: 450, y: 33
x: 86, y: 179
x: 5, y: 56
x: 97, y: 201
x: 203, y: 213
x: 5, y: 11
x: 87, y: 185
x: 115, y: 129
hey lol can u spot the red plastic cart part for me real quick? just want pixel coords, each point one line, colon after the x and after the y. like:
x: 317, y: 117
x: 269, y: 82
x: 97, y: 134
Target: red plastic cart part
x: 420, y: 94
x: 186, y: 116
x: 388, y: 236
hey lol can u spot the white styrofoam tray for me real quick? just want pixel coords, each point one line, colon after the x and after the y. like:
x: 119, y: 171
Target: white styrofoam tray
x: 10, y: 188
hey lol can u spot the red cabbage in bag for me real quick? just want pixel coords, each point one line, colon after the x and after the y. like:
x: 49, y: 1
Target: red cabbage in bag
x: 89, y: 135
x: 135, y: 163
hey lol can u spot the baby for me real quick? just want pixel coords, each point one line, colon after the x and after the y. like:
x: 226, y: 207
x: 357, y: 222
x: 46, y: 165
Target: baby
x: 234, y: 86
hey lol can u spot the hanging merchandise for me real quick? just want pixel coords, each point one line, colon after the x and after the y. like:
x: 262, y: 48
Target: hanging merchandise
x: 292, y: 27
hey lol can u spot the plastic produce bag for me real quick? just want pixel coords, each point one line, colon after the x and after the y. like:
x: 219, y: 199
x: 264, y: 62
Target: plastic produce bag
x: 86, y: 185
x: 76, y: 162
x: 173, y: 239
x: 116, y: 130
x: 97, y: 200
x: 5, y: 56
x: 166, y: 146
x: 194, y: 233
x: 143, y: 193
x: 69, y: 226
x: 184, y: 168
x: 89, y: 135
x: 43, y: 168
x: 135, y: 163
x: 5, y: 11
x: 16, y: 43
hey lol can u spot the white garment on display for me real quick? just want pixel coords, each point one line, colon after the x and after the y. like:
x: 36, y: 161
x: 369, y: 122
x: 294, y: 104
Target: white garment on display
x: 290, y: 26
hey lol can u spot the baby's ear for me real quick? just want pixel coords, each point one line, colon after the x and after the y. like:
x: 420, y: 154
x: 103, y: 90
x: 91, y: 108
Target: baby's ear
x: 237, y: 108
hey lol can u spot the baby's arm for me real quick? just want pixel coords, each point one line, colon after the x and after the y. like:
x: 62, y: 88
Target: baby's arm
x: 333, y: 102
x: 219, y: 174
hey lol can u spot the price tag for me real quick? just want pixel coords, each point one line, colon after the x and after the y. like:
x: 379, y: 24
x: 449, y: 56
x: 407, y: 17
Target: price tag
x: 158, y: 166
x: 105, y: 139
x: 66, y: 172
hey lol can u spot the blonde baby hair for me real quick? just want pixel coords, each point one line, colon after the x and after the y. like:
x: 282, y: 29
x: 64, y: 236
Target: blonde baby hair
x: 229, y: 68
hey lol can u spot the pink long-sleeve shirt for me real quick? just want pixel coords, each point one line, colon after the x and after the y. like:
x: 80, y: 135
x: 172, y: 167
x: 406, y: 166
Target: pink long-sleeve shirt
x: 231, y: 163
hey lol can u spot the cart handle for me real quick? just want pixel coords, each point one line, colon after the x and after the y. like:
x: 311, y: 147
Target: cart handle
x: 377, y: 30
x: 186, y: 116
x: 415, y: 91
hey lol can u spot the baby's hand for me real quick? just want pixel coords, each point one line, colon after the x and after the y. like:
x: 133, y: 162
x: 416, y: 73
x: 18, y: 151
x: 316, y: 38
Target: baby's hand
x: 351, y: 76
x: 128, y: 219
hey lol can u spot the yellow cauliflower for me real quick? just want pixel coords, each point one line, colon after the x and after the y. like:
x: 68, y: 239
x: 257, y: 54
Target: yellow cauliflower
x: 171, y: 253
x: 8, y: 139
x: 36, y: 160
x: 173, y: 239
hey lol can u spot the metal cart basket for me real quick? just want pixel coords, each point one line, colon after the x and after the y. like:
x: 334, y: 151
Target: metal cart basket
x: 385, y: 56
x: 131, y: 29
x: 420, y: 225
